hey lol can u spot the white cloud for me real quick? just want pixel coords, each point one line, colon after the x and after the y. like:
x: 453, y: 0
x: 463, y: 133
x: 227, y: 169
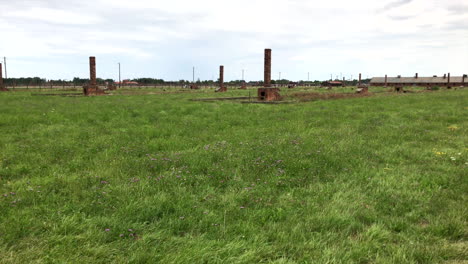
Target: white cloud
x: 54, y: 16
x: 168, y: 37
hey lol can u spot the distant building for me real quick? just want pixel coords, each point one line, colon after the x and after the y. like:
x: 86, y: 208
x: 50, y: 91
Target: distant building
x: 127, y: 83
x: 444, y: 81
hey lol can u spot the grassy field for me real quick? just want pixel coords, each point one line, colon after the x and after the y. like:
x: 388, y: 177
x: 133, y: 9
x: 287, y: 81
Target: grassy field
x: 162, y: 179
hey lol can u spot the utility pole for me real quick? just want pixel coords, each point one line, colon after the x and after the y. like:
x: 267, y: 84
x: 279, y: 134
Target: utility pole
x: 242, y: 74
x: 4, y: 62
x: 120, y: 81
x: 193, y: 75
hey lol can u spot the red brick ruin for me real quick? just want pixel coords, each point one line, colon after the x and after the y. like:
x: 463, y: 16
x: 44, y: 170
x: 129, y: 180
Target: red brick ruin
x: 361, y: 88
x: 449, y: 86
x: 111, y: 87
x: 92, y: 88
x: 2, y: 86
x: 268, y: 93
x: 221, y: 88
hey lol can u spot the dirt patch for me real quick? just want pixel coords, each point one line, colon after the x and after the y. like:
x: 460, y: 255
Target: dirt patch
x: 304, y: 97
x: 220, y: 98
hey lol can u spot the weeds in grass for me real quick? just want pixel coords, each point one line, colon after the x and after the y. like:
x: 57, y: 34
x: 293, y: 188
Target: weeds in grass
x: 159, y: 178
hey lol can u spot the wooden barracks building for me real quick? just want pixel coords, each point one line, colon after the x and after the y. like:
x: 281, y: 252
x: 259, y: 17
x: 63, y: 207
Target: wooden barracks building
x: 445, y: 81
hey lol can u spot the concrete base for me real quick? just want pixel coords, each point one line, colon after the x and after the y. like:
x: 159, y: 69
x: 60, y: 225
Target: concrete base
x: 269, y: 94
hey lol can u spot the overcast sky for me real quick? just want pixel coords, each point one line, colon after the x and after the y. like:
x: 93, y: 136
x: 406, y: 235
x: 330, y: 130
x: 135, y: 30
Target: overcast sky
x: 165, y: 39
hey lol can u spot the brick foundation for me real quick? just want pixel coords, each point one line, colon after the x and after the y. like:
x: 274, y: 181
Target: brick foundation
x: 269, y: 94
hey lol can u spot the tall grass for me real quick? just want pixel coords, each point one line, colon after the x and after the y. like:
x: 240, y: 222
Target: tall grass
x: 160, y: 178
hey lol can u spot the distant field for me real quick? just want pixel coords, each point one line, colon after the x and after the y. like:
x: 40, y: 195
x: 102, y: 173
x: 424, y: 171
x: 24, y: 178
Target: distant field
x: 158, y: 178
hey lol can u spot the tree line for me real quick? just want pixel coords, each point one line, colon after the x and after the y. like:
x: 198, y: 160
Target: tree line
x: 37, y: 81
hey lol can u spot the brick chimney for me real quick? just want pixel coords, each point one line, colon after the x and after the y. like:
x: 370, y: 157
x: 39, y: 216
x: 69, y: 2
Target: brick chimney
x: 445, y: 75
x: 92, y: 71
x: 416, y: 76
x: 359, y: 79
x: 448, y: 77
x: 385, y: 79
x: 221, y: 76
x: 267, y: 68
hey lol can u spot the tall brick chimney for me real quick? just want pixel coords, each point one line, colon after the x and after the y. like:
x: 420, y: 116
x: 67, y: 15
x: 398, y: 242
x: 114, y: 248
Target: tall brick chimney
x: 385, y: 79
x: 448, y: 78
x: 221, y: 76
x: 445, y: 75
x: 267, y: 93
x: 92, y: 88
x: 359, y: 79
x: 463, y: 79
x: 267, y: 68
x: 416, y: 76
x: 92, y: 71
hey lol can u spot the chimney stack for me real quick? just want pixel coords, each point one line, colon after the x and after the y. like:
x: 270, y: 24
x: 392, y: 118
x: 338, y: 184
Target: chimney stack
x: 267, y: 68
x: 416, y: 76
x: 385, y: 79
x: 448, y: 77
x: 221, y: 76
x: 1, y: 76
x: 463, y: 78
x: 359, y: 79
x: 445, y: 75
x: 92, y: 71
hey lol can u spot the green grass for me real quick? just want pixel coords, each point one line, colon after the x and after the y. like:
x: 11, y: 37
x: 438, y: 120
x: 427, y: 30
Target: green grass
x: 160, y: 178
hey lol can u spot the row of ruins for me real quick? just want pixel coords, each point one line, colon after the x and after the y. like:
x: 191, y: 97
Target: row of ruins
x: 271, y: 93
